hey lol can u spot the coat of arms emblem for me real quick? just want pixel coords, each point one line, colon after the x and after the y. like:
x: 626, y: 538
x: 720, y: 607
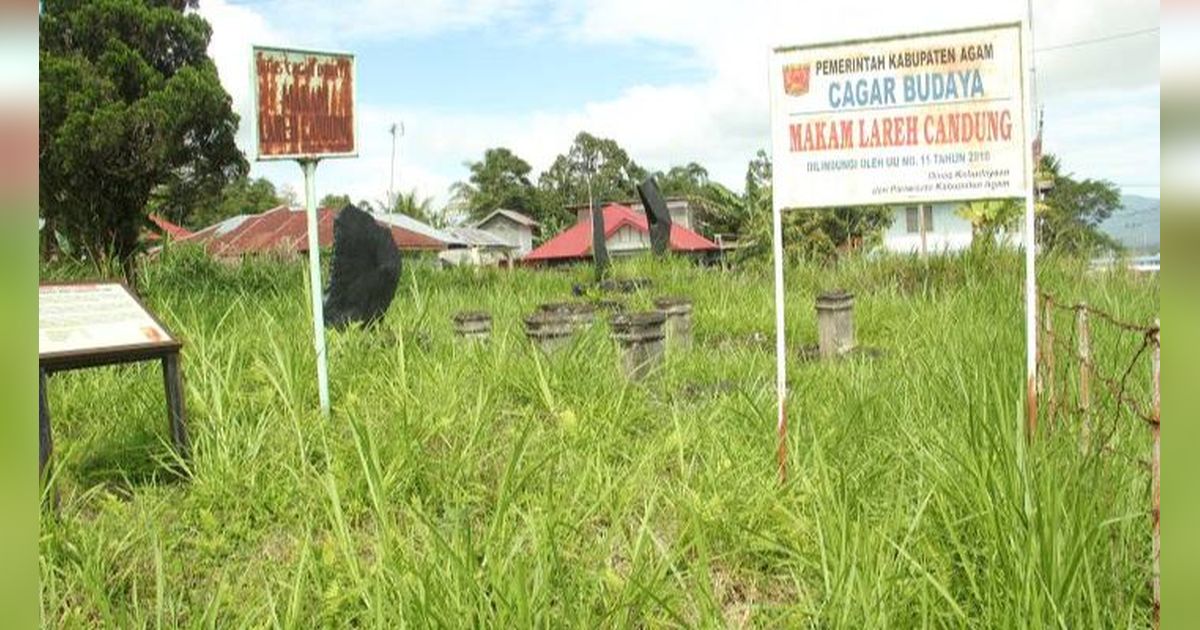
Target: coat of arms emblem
x: 795, y: 79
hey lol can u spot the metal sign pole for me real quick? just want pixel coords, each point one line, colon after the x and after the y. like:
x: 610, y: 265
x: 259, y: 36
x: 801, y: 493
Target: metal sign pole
x: 314, y: 269
x: 1031, y: 401
x: 780, y: 344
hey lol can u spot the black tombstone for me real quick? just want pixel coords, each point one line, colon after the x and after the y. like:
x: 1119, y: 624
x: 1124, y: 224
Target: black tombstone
x: 599, y: 242
x: 657, y: 216
x: 364, y: 271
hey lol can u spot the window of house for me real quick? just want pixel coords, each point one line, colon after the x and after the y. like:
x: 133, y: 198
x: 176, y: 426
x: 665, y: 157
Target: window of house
x: 912, y: 220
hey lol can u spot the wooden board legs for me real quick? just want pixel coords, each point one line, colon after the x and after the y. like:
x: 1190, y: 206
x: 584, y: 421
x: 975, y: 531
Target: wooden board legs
x: 45, y: 442
x: 176, y: 413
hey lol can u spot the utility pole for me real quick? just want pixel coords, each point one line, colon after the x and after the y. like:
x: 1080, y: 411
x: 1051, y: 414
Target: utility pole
x: 392, y: 173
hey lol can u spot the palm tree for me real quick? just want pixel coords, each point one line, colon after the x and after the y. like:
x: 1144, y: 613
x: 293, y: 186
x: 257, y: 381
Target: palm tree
x: 419, y: 208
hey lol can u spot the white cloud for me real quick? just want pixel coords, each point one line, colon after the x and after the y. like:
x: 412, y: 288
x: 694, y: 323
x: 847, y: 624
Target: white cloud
x: 319, y: 22
x: 1095, y: 95
x: 234, y: 29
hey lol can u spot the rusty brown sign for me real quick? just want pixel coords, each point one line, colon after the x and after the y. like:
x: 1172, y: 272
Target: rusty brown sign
x: 304, y: 104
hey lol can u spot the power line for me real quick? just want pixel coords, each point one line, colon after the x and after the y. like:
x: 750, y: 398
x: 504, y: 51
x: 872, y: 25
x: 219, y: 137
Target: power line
x: 1098, y: 40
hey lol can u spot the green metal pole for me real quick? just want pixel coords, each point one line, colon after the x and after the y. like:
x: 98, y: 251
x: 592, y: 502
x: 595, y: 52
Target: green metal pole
x: 314, y: 268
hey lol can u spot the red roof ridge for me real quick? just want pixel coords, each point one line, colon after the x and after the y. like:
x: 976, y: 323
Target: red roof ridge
x: 576, y: 241
x: 173, y: 230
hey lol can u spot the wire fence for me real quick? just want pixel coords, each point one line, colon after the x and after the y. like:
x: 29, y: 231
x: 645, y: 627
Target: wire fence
x: 1100, y: 371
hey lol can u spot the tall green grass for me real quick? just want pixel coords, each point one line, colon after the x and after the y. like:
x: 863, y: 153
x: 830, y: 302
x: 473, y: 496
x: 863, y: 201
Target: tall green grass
x: 492, y: 486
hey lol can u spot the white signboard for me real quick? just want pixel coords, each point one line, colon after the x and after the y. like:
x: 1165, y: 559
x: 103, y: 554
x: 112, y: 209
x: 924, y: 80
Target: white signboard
x: 84, y: 318
x: 921, y: 118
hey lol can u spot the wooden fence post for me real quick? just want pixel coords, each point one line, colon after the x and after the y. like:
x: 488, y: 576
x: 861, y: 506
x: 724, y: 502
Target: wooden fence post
x: 1083, y: 335
x: 1156, y: 411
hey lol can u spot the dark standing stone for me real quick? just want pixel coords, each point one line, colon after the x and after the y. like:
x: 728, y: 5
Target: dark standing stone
x: 364, y: 271
x: 599, y: 242
x: 657, y: 216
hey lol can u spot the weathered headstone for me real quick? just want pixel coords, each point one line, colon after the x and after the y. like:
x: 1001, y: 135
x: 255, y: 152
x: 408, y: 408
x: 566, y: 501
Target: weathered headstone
x: 473, y: 325
x: 639, y: 338
x: 679, y: 319
x: 658, y: 217
x: 599, y: 240
x: 580, y: 315
x: 364, y: 271
x: 835, y: 323
x: 549, y: 331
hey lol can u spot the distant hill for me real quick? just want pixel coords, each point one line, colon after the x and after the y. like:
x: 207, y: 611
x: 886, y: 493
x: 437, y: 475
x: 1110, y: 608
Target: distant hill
x: 1135, y: 224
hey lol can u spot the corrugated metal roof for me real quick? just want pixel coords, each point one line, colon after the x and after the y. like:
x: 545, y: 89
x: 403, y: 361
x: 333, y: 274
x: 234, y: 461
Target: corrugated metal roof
x: 576, y: 241
x: 408, y: 223
x: 475, y: 237
x: 510, y: 214
x: 284, y: 229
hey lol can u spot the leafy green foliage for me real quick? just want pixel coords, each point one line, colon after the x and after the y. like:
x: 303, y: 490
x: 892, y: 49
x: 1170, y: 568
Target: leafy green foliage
x: 1072, y: 212
x: 991, y: 218
x: 243, y: 195
x: 334, y: 201
x: 820, y: 234
x: 419, y: 208
x: 593, y: 168
x: 717, y: 209
x: 499, y: 180
x: 130, y: 105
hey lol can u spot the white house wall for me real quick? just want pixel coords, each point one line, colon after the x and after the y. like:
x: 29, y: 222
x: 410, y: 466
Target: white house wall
x: 519, y: 236
x: 627, y: 240
x: 949, y: 232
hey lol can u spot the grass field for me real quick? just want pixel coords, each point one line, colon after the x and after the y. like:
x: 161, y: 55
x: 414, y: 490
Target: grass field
x: 464, y: 486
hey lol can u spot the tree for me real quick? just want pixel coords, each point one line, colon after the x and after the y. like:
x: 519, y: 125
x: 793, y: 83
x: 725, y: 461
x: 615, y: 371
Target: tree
x: 990, y: 218
x: 825, y: 234
x: 130, y: 105
x: 419, y: 208
x: 241, y: 196
x: 718, y: 210
x: 822, y: 234
x: 758, y: 177
x: 1071, y: 213
x: 592, y: 169
x: 336, y: 202
x: 499, y: 180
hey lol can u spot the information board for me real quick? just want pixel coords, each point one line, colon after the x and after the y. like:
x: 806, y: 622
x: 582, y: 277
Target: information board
x: 89, y: 324
x: 907, y: 119
x: 96, y: 322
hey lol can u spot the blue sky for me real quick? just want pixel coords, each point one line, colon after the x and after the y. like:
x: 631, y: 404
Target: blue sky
x: 468, y: 72
x: 672, y: 81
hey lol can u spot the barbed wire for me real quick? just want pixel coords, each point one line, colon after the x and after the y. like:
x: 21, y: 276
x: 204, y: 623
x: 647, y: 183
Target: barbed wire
x: 1055, y: 379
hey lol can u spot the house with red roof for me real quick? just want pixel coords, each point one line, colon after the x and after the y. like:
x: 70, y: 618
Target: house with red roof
x: 626, y: 233
x: 284, y: 230
x: 163, y: 227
